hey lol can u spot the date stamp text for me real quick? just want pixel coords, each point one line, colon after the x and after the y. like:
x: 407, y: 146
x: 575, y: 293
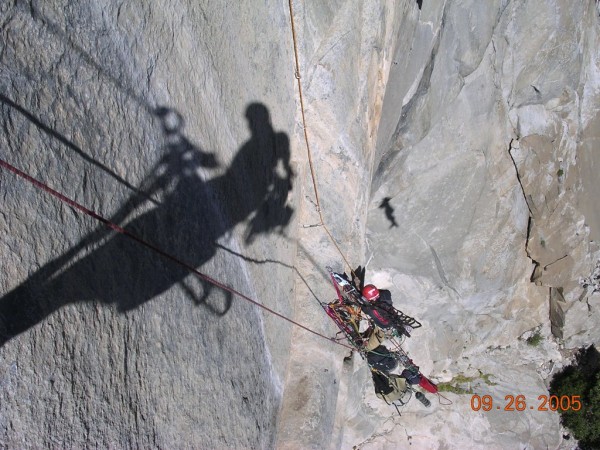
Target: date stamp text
x: 519, y: 403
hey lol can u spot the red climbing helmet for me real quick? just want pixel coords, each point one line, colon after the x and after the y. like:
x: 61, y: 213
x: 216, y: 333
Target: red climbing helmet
x: 370, y: 292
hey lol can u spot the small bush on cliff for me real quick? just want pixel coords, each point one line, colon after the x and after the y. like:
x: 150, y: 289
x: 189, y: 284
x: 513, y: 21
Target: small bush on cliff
x: 581, y: 379
x: 535, y: 339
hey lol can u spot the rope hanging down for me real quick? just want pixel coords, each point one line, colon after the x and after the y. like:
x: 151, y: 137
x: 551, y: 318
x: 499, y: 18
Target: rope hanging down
x: 310, y: 160
x: 309, y: 153
x: 152, y: 247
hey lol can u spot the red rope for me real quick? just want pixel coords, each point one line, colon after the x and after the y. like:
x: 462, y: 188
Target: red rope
x: 164, y: 254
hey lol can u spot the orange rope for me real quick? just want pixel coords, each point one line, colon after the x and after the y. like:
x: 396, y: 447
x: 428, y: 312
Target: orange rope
x: 310, y: 160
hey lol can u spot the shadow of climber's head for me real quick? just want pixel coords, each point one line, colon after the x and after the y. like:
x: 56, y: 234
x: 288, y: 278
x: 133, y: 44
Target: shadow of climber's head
x: 258, y: 117
x: 171, y: 120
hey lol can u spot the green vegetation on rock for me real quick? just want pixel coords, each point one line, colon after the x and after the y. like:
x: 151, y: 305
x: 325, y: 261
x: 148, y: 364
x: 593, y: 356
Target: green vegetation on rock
x: 535, y: 339
x: 457, y: 384
x: 583, y: 380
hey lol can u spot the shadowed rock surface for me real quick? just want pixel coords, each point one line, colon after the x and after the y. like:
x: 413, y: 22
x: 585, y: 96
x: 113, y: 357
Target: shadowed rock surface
x: 154, y: 117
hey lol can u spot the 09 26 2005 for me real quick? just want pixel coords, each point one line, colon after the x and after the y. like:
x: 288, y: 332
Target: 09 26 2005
x: 519, y: 403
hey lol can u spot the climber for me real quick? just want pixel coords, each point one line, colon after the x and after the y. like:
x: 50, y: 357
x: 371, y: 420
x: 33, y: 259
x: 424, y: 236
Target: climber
x: 379, y: 308
x: 382, y: 358
x: 393, y: 388
x: 390, y: 388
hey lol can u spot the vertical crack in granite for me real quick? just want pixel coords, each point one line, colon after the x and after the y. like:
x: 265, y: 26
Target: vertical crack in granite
x: 408, y: 116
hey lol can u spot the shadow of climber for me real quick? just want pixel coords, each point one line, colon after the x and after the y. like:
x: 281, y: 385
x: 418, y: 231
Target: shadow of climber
x: 191, y: 215
x: 389, y: 211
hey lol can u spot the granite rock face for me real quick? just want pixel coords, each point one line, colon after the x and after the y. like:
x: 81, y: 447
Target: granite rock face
x: 482, y: 219
x: 345, y: 54
x: 153, y: 115
x: 454, y: 152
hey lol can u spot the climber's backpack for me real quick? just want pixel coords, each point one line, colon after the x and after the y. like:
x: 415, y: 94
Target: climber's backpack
x: 390, y: 388
x: 381, y: 359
